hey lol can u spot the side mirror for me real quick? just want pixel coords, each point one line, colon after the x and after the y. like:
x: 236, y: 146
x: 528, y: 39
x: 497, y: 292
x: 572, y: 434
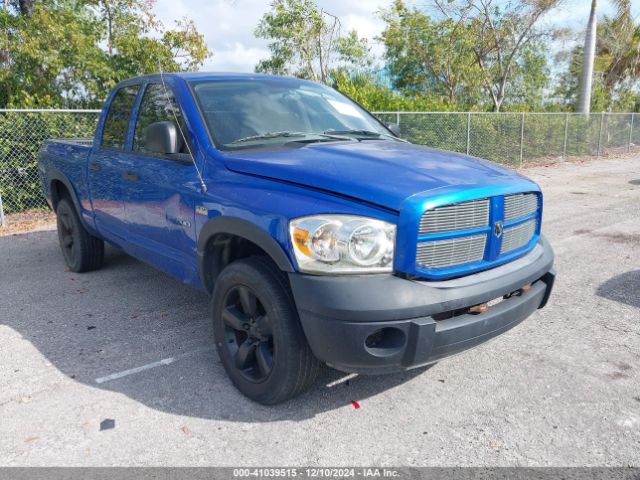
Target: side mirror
x: 395, y: 128
x: 163, y: 137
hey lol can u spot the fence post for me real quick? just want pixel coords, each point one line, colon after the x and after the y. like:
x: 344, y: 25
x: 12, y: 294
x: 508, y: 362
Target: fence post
x: 521, y: 138
x: 468, y: 130
x: 398, y: 118
x: 600, y: 135
x: 566, y: 134
x: 1, y: 212
x: 631, y: 131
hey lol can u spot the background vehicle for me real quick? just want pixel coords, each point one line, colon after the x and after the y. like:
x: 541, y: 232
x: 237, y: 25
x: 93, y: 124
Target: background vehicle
x: 321, y: 236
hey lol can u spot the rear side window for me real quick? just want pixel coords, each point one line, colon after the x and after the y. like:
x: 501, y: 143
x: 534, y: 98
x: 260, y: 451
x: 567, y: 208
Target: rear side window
x: 114, y: 133
x: 158, y: 105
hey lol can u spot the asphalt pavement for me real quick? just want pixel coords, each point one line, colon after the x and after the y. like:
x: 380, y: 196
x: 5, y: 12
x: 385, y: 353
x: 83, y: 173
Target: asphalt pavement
x: 116, y: 367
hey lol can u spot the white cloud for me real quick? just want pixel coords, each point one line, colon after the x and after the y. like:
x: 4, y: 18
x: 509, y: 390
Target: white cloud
x: 239, y: 58
x: 228, y: 26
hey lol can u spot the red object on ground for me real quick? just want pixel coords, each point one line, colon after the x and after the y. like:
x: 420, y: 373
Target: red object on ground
x: 355, y: 404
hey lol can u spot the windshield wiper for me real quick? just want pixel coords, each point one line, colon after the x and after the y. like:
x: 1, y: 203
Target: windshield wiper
x: 355, y: 131
x: 287, y: 134
x: 266, y: 136
x: 364, y: 133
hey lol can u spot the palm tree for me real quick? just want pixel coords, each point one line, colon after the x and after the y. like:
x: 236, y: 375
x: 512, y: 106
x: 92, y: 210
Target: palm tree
x: 589, y: 55
x: 621, y: 46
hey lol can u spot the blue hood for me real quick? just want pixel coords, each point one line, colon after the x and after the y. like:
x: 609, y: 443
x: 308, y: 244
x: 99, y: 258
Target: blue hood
x: 381, y: 172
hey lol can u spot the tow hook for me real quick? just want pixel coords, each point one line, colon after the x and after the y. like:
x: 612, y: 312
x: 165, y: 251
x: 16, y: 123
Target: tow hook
x: 480, y: 308
x: 483, y: 307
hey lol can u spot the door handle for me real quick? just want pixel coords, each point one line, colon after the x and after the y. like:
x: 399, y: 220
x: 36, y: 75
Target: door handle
x: 130, y: 176
x: 95, y: 167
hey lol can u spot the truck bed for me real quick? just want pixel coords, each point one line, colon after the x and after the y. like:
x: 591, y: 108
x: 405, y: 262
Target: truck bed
x: 83, y: 142
x: 68, y: 156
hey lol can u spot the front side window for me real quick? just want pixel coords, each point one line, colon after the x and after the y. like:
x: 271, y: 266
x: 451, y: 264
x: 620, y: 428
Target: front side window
x: 267, y: 112
x: 158, y: 105
x: 114, y: 133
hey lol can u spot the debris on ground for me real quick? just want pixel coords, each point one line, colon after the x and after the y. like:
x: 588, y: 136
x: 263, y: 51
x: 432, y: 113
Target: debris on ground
x: 107, y: 424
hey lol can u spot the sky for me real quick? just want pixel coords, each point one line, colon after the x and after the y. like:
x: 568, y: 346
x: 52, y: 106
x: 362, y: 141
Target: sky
x: 228, y: 25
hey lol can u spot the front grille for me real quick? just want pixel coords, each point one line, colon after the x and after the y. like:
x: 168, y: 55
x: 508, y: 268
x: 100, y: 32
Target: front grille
x: 459, y: 216
x: 518, y: 236
x: 469, y: 232
x: 446, y: 253
x: 519, y: 205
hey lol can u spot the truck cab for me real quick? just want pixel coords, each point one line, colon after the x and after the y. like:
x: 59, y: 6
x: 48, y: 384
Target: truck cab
x: 321, y: 236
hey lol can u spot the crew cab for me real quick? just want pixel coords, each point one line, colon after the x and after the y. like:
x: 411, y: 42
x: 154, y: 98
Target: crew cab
x: 321, y: 236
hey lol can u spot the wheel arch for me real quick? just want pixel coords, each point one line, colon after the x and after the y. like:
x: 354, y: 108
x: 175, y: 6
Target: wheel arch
x: 224, y: 239
x: 58, y: 186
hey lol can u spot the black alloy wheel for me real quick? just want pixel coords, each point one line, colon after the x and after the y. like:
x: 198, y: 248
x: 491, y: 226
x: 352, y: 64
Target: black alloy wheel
x: 248, y: 333
x: 81, y: 251
x: 258, y: 334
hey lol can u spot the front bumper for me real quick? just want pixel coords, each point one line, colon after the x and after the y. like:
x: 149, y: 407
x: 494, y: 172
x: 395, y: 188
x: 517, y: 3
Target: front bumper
x: 340, y: 313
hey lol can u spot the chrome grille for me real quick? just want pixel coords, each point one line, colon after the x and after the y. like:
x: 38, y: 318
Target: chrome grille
x: 519, y: 205
x: 458, y: 216
x: 455, y: 251
x: 518, y: 236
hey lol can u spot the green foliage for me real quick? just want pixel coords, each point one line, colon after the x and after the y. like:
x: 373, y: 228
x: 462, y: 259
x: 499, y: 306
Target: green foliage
x: 376, y: 97
x: 469, y: 54
x: 71, y: 52
x: 616, y: 79
x: 506, y: 43
x: 307, y: 42
x: 432, y: 57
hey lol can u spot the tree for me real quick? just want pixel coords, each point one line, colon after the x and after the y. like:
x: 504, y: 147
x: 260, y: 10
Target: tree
x: 615, y: 81
x: 307, y: 42
x: 584, y: 103
x: 457, y: 48
x: 618, y: 50
x: 501, y: 33
x: 620, y: 44
x: 432, y: 57
x: 71, y: 52
x: 375, y: 96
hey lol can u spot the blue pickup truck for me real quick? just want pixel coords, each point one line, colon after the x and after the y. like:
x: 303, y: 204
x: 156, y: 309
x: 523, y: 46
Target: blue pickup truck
x: 321, y: 236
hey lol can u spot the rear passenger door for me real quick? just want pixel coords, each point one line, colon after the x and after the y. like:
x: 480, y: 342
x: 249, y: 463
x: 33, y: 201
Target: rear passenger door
x: 105, y: 166
x: 161, y: 189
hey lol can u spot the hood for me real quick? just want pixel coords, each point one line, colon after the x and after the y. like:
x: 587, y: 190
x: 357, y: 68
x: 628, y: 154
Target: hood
x: 382, y: 172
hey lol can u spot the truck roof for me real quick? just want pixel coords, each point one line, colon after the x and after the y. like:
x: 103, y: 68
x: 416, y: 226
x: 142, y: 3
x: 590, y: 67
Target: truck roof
x: 189, y: 76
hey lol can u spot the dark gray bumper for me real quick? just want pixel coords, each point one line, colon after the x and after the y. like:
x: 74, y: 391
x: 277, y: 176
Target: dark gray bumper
x: 338, y: 314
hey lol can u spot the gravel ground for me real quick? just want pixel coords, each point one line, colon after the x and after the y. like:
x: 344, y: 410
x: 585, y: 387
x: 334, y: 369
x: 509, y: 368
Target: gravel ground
x: 562, y: 388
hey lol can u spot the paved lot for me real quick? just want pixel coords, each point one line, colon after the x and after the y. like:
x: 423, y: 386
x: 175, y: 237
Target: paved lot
x: 563, y: 388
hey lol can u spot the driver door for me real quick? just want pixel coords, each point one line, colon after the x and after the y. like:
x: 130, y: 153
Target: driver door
x: 160, y: 191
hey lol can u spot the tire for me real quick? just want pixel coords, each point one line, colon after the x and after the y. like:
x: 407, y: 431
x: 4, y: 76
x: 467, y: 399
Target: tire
x: 258, y: 334
x: 82, y: 252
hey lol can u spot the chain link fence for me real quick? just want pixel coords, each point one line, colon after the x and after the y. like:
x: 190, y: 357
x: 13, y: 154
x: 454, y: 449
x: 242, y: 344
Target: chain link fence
x: 518, y: 138
x: 509, y: 138
x: 21, y: 135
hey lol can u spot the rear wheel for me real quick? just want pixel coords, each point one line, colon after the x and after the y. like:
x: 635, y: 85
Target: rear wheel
x: 82, y: 252
x: 258, y: 334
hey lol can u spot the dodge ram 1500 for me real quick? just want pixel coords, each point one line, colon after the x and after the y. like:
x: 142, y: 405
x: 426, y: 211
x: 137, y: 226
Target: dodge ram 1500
x: 321, y: 236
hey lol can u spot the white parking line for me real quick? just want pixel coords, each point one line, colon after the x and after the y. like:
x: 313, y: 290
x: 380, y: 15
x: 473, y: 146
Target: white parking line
x: 149, y: 366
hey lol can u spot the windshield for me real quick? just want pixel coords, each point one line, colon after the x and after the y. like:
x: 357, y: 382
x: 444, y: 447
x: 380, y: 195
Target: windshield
x: 256, y: 112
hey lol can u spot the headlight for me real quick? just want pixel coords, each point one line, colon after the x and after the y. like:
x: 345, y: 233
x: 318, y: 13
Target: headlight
x: 342, y: 244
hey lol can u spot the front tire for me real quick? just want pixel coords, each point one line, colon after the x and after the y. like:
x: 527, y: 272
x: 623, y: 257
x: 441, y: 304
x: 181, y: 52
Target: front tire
x: 258, y: 334
x: 82, y: 252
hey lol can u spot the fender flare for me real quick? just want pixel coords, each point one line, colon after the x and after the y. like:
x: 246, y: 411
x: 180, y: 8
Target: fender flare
x: 57, y: 175
x: 244, y: 229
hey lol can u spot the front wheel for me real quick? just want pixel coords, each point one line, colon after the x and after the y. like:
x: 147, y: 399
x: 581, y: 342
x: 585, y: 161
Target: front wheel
x: 82, y: 252
x: 258, y: 334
